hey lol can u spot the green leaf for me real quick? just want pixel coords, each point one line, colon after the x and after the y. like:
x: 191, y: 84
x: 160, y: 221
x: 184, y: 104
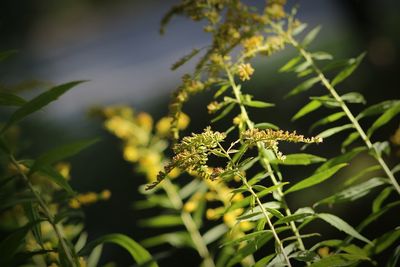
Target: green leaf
x: 56, y: 177
x: 345, y: 158
x: 175, y: 239
x: 289, y: 65
x: 161, y: 221
x: 247, y: 237
x: 310, y: 36
x: 350, y: 139
x: 394, y: 259
x: 311, y: 106
x: 383, y: 242
x: 315, y: 179
x: 215, y: 233
x: 353, y: 97
x: 331, y: 118
x: 341, y: 225
x: 377, y: 108
x: 138, y: 253
x: 293, y: 217
x: 384, y: 118
x: 299, y: 159
x: 384, y: 194
x: 332, y: 131
x: 266, y: 125
x: 224, y: 112
x: 38, y: 103
x: 361, y: 174
x: 353, y: 193
x: 304, y: 86
x: 258, y: 104
x: 321, y: 56
x: 374, y: 216
x: 264, y: 261
x: 222, y: 90
x: 351, y: 67
x: 10, y: 245
x: 60, y: 153
x: 33, y: 216
x: 185, y: 59
x: 338, y: 260
x: 7, y: 99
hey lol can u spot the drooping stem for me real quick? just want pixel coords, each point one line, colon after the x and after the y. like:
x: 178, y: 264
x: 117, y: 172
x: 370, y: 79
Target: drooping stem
x: 50, y: 217
x: 342, y: 104
x: 189, y: 224
x: 271, y: 226
x: 250, y: 125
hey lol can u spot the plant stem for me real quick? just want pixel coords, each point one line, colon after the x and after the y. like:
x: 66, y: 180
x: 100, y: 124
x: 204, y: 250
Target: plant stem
x: 343, y: 105
x: 250, y: 125
x: 50, y: 217
x: 271, y: 226
x: 189, y: 224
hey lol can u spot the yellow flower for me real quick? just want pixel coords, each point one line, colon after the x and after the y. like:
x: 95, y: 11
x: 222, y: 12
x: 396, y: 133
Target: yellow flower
x: 64, y: 169
x: 245, y: 226
x: 190, y: 206
x: 245, y: 71
x: 323, y: 252
x: 74, y: 203
x: 145, y: 121
x: 183, y: 121
x: 253, y: 42
x: 105, y: 194
x: 163, y: 126
x: 131, y: 153
x: 174, y: 173
x: 82, y: 262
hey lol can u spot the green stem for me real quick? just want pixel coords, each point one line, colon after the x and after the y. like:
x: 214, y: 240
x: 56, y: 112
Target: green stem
x: 50, y: 217
x: 343, y: 105
x: 250, y: 125
x: 189, y: 224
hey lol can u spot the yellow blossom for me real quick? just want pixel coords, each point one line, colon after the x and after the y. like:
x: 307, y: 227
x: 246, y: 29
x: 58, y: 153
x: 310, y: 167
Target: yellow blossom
x: 105, y: 194
x: 64, y: 169
x: 145, y: 121
x: 190, y: 206
x: 323, y: 252
x: 253, y: 42
x: 245, y: 71
x: 131, y: 153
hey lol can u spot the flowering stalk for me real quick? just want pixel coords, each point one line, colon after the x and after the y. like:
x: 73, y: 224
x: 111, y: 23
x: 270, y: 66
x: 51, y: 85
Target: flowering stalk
x: 50, y: 217
x: 340, y: 101
x: 250, y: 125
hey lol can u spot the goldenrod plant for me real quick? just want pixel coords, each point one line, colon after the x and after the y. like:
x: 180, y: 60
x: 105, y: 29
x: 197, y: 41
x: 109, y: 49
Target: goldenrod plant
x: 40, y: 212
x: 242, y: 167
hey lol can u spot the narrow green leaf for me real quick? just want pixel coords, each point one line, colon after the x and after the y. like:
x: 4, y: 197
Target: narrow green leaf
x: 264, y: 261
x: 353, y: 97
x: 60, y: 153
x: 345, y: 158
x: 258, y: 104
x: 377, y: 108
x: 376, y: 215
x: 215, y: 233
x: 339, y: 260
x: 224, y: 112
x: 56, y: 177
x: 299, y: 29
x: 293, y: 217
x: 361, y: 174
x: 247, y: 237
x: 378, y: 201
x: 7, y: 99
x: 310, y: 36
x: 383, y: 242
x: 299, y: 159
x: 394, y: 259
x: 321, y: 56
x: 185, y: 59
x: 351, y: 138
x: 331, y: 118
x: 38, y: 103
x: 332, y: 131
x: 315, y: 179
x: 353, y: 193
x: 33, y: 216
x: 266, y: 125
x: 351, y: 67
x: 222, y: 90
x: 384, y: 118
x: 161, y: 221
x: 290, y: 64
x: 304, y: 86
x: 311, y: 106
x: 175, y: 239
x: 343, y: 226
x: 138, y: 253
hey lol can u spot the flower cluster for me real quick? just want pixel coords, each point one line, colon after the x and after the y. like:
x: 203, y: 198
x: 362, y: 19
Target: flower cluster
x: 191, y: 155
x: 270, y: 139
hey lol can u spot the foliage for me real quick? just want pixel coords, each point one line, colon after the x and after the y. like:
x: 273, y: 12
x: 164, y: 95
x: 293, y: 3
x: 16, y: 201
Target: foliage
x: 238, y: 178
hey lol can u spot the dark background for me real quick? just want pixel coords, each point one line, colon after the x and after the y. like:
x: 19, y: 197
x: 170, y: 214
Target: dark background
x: 116, y: 45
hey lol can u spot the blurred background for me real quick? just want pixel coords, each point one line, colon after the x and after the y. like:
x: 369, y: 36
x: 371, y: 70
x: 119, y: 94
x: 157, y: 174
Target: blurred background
x: 117, y: 47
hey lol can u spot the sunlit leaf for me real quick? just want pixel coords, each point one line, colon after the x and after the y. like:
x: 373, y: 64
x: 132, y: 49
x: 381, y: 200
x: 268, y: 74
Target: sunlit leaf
x: 311, y: 106
x: 39, y: 102
x: 304, y: 86
x: 315, y: 179
x: 299, y: 159
x: 384, y: 118
x: 343, y: 226
x: 310, y: 36
x: 340, y: 259
x: 138, y: 253
x: 331, y: 118
x: 351, y: 67
x: 290, y: 64
x: 332, y: 131
x: 377, y: 108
